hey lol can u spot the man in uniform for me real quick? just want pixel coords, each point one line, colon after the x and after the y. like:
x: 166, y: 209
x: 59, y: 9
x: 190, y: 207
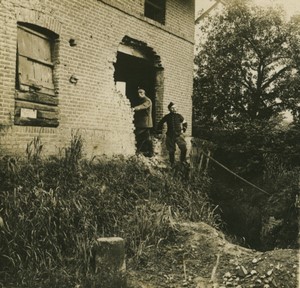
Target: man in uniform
x: 176, y: 126
x: 143, y: 124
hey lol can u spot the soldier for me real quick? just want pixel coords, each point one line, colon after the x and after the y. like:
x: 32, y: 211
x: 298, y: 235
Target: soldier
x: 143, y: 124
x: 176, y: 126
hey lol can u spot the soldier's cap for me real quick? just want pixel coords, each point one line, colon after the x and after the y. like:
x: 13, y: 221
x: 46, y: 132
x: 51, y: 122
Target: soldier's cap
x: 170, y: 105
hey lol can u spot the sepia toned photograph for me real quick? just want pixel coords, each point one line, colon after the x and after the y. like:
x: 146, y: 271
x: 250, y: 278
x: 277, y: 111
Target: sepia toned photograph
x: 149, y: 143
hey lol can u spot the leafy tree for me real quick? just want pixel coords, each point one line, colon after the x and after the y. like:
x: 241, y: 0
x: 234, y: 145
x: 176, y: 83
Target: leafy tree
x: 248, y: 73
x: 247, y: 67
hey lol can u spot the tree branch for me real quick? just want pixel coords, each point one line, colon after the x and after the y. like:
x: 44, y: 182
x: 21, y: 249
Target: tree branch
x: 275, y: 76
x: 253, y: 45
x: 246, y: 83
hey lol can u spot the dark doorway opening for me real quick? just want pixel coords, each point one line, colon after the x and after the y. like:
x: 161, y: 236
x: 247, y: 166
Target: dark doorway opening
x: 136, y: 72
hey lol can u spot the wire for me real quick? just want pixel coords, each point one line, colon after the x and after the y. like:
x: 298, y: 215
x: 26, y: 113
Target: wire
x: 236, y: 175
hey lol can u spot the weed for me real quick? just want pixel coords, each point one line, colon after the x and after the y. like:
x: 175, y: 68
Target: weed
x: 73, y: 153
x: 53, y: 210
x: 147, y: 225
x: 34, y: 149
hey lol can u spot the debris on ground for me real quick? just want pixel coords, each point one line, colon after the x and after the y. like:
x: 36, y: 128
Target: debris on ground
x: 201, y: 257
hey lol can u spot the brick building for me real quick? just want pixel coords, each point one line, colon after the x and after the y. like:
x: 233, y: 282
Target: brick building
x: 63, y: 64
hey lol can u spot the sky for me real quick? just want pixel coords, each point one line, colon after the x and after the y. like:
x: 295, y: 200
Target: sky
x: 290, y: 6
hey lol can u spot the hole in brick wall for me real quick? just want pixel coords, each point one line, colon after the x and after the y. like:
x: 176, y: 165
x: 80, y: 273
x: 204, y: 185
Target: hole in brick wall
x: 138, y: 65
x: 72, y: 42
x: 134, y: 72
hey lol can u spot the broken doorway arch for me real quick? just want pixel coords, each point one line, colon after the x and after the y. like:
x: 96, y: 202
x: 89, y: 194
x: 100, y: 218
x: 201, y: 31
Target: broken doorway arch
x: 138, y: 65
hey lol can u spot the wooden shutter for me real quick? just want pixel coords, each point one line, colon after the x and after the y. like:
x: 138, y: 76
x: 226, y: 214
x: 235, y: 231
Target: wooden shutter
x: 36, y: 101
x: 35, y: 65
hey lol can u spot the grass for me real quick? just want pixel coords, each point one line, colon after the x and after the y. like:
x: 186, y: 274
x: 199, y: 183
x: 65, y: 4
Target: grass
x: 52, y: 210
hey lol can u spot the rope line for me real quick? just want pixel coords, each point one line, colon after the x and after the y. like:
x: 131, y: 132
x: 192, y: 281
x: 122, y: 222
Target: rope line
x: 236, y: 175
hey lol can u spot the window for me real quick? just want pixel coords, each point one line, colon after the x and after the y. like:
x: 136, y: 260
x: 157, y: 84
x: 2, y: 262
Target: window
x: 36, y: 100
x: 156, y: 10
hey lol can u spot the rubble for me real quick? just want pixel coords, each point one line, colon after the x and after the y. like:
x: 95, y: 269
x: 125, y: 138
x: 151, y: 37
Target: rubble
x: 207, y: 264
x: 262, y: 273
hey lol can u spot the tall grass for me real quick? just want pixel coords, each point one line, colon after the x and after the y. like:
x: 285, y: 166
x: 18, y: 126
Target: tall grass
x: 54, y: 209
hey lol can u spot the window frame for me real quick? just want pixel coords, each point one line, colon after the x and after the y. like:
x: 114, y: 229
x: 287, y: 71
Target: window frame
x: 36, y: 97
x: 154, y: 11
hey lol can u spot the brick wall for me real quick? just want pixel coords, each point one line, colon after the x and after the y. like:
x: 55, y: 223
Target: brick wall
x: 92, y: 105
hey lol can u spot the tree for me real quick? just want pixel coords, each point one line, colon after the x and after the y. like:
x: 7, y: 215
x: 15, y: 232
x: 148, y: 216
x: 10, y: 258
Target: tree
x: 248, y: 67
x: 247, y: 75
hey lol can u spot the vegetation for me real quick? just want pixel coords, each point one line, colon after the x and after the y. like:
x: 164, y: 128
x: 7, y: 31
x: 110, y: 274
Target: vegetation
x: 248, y: 67
x: 247, y: 77
x: 53, y: 209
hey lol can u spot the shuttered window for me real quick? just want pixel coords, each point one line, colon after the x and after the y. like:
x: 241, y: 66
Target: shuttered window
x: 156, y: 10
x: 36, y: 100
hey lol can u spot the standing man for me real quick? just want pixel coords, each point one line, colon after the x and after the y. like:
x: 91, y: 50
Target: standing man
x: 143, y: 123
x: 175, y: 127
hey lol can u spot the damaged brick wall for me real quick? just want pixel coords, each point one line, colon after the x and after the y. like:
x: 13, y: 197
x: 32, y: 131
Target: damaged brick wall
x: 89, y: 102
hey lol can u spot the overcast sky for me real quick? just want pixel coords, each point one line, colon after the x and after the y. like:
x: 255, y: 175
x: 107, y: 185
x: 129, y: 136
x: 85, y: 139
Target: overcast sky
x: 291, y: 6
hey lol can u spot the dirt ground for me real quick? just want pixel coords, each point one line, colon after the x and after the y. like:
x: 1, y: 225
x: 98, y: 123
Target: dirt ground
x: 200, y: 257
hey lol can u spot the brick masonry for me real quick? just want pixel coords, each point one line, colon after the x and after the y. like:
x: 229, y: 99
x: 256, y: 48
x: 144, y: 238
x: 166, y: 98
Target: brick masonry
x: 93, y: 106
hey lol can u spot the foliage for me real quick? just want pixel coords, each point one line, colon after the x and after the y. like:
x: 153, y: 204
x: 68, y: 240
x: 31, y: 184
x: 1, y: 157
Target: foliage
x: 269, y: 159
x: 247, y: 68
x: 247, y: 76
x: 53, y: 209
x: 282, y: 180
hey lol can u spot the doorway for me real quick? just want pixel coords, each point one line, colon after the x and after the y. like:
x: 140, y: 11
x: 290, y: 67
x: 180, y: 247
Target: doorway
x: 138, y: 66
x: 132, y: 72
